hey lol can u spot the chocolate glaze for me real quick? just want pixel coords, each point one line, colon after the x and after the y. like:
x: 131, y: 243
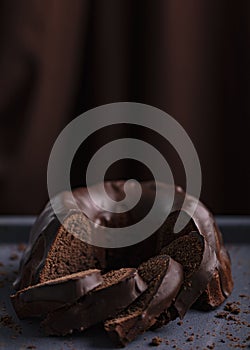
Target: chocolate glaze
x: 123, y: 331
x: 197, y: 281
x: 96, y: 306
x: 42, y: 298
x: 46, y: 227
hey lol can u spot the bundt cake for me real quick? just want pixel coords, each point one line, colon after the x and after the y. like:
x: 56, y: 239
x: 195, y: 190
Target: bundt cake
x: 56, y: 248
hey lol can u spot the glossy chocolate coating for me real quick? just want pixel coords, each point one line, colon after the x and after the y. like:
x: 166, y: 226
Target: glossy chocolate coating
x: 96, y: 306
x: 45, y: 230
x: 198, y: 280
x: 42, y: 298
x: 123, y: 331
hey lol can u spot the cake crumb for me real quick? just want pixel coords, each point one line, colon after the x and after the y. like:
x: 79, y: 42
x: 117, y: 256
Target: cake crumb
x: 21, y: 247
x: 8, y: 322
x: 156, y: 341
x: 191, y: 338
x: 13, y: 256
x: 244, y: 296
x: 222, y: 314
x: 233, y: 308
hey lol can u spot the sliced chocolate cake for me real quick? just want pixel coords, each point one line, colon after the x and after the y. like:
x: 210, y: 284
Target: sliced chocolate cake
x: 56, y: 250
x: 42, y: 298
x: 119, y: 289
x: 164, y: 277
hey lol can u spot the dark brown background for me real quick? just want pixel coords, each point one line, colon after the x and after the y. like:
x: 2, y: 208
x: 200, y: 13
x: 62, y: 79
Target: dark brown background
x: 60, y: 58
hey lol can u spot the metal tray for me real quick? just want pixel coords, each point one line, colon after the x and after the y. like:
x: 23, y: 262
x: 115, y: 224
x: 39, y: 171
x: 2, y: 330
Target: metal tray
x: 199, y: 330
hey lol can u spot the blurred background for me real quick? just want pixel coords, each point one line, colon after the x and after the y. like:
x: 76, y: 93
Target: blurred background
x: 61, y: 58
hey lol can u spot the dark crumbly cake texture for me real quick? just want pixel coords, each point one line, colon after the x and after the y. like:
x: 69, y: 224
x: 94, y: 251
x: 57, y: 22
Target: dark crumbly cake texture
x: 118, y: 289
x: 55, y: 250
x: 164, y: 277
x: 69, y: 254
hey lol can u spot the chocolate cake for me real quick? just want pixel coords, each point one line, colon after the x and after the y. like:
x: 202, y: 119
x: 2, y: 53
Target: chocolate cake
x: 42, y: 298
x: 57, y: 249
x: 164, y: 277
x: 119, y: 289
x: 53, y: 251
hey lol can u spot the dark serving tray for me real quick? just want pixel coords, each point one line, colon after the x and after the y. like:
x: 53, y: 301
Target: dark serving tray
x: 199, y: 330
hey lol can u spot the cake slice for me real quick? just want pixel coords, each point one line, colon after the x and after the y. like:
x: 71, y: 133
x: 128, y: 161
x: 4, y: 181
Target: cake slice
x: 119, y: 289
x: 44, y: 297
x: 199, y: 262
x: 164, y: 277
